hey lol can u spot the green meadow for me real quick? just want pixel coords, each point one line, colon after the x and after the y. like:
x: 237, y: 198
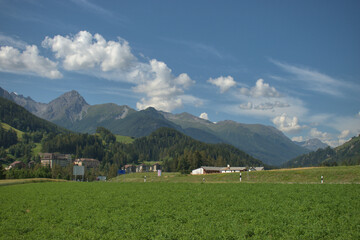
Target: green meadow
x: 183, y: 207
x: 341, y: 175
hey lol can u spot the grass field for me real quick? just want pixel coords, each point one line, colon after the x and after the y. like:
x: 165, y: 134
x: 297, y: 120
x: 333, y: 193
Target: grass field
x: 105, y: 210
x: 346, y: 174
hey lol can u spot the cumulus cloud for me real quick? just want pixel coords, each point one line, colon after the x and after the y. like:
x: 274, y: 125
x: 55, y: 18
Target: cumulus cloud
x: 27, y: 62
x: 85, y: 51
x: 260, y: 89
x: 224, y: 83
x: 204, y: 116
x: 287, y: 124
x: 114, y: 60
x: 163, y: 90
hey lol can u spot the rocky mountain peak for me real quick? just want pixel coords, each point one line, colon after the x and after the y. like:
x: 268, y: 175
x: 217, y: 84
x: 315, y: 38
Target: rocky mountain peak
x: 72, y: 97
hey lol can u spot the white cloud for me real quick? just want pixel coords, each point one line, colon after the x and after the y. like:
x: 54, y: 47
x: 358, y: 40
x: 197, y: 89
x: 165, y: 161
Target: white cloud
x: 316, y: 81
x: 224, y: 83
x: 113, y: 60
x: 260, y: 89
x: 85, y: 51
x: 204, y: 116
x: 27, y: 62
x: 344, y: 134
x: 323, y: 136
x: 163, y: 90
x: 298, y: 139
x: 287, y: 124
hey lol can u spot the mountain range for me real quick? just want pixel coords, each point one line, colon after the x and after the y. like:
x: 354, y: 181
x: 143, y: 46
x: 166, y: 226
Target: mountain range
x: 71, y: 111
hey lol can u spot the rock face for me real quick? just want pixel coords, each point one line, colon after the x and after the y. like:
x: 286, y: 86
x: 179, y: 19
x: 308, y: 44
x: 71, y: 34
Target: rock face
x: 312, y: 144
x: 63, y: 110
x: 69, y: 107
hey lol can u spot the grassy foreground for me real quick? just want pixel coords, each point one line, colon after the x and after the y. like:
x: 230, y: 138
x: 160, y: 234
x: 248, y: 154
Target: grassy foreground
x: 29, y: 180
x: 346, y: 174
x: 103, y: 210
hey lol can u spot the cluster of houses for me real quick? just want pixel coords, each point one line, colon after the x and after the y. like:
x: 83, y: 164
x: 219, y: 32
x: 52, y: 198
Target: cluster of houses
x: 228, y: 169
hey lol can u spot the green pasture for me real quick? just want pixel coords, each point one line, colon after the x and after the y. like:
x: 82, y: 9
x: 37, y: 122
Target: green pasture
x: 107, y: 210
x: 345, y: 174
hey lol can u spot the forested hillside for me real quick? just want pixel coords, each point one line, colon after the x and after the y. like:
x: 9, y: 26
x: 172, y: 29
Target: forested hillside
x: 176, y: 151
x: 19, y: 118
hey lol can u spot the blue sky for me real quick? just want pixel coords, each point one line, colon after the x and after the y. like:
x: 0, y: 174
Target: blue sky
x: 294, y: 65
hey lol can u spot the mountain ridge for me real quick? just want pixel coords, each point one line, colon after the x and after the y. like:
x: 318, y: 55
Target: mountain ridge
x: 71, y: 111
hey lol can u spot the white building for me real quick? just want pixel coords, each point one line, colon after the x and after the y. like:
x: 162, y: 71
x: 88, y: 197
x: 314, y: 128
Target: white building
x: 228, y: 169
